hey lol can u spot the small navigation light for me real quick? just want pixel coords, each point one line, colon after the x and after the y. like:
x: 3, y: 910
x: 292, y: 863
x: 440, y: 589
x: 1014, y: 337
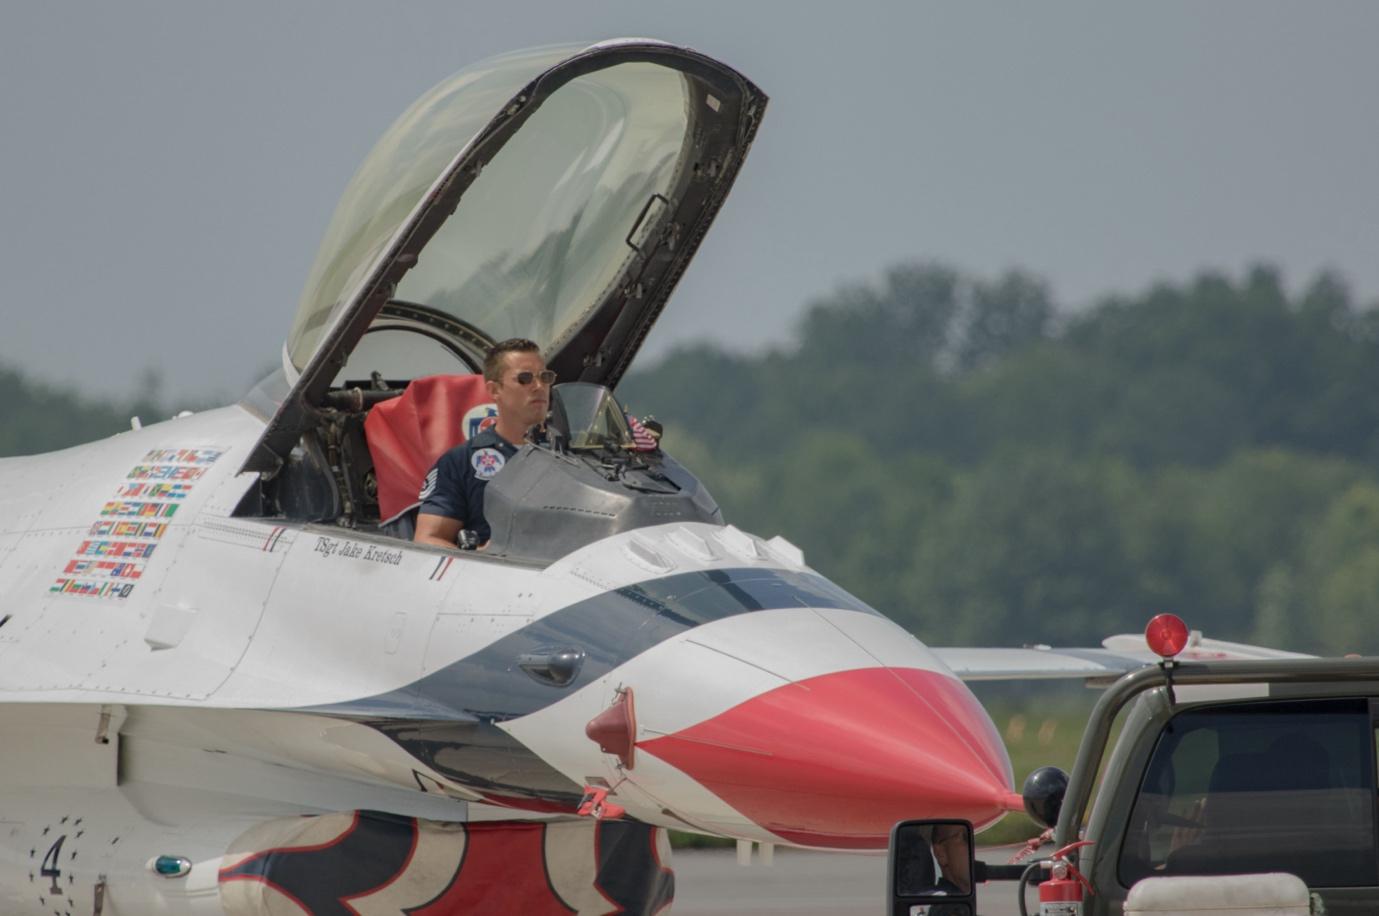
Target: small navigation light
x: 172, y: 866
x: 1167, y: 635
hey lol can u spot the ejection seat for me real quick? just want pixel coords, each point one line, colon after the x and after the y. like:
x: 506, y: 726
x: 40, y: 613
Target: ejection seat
x: 408, y: 433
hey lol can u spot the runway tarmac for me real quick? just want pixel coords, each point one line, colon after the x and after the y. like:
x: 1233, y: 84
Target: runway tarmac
x: 709, y: 882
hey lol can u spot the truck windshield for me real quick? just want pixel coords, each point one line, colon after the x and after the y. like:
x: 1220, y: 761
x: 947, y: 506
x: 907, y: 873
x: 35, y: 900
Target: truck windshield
x: 1274, y: 786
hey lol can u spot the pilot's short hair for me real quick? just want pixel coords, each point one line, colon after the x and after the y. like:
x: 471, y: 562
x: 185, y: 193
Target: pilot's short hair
x: 493, y: 359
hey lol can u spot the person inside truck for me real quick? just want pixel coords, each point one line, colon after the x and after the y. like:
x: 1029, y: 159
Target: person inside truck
x: 954, y: 856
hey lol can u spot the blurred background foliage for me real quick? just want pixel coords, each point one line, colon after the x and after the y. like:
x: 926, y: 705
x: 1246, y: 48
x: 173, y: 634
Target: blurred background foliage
x: 989, y: 468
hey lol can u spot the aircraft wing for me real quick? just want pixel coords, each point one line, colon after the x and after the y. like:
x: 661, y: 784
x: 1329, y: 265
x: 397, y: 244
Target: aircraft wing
x: 1035, y: 663
x: 1116, y: 656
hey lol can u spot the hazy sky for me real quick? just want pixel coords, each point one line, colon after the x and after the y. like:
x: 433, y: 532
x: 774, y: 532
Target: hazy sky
x: 168, y: 168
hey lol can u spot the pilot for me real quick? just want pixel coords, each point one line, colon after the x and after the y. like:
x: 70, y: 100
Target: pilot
x: 452, y: 495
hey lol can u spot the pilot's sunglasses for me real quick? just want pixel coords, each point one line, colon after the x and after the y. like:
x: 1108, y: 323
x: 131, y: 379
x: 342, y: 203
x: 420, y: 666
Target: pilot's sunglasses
x: 545, y: 377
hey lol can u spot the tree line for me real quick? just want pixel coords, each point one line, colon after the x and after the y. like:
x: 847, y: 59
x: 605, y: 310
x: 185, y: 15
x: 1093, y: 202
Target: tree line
x: 36, y: 417
x: 988, y: 468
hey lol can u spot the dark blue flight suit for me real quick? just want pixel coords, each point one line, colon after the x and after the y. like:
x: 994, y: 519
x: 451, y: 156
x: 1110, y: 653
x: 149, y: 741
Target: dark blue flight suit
x: 454, y: 488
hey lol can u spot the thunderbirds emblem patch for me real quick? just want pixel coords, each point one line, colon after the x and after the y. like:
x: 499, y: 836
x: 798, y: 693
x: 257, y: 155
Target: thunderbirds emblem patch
x: 487, y: 462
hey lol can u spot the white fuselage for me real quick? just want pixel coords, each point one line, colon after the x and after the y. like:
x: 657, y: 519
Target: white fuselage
x: 184, y: 673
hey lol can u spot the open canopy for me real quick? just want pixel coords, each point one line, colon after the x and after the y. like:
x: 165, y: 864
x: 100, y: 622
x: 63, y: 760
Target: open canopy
x: 554, y: 194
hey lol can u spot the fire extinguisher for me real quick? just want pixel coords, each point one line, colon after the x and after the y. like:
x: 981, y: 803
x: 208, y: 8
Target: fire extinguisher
x: 1061, y: 894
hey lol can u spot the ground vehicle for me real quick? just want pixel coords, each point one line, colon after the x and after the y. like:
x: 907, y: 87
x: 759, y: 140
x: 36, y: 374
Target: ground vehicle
x: 1229, y: 767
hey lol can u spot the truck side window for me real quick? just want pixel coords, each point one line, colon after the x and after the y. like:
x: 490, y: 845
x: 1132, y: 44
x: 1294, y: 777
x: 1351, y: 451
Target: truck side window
x: 1259, y: 787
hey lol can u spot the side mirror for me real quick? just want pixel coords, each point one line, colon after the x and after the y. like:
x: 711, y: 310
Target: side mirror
x: 931, y: 868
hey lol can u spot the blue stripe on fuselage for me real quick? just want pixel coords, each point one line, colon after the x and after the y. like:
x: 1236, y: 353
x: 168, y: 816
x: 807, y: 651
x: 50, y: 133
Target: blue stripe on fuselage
x: 610, y: 628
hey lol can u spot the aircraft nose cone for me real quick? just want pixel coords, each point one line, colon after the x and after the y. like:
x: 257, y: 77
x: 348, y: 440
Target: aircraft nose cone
x: 835, y: 760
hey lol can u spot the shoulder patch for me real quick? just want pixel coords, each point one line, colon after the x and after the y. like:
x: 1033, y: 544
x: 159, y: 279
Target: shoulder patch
x: 486, y: 462
x: 428, y: 486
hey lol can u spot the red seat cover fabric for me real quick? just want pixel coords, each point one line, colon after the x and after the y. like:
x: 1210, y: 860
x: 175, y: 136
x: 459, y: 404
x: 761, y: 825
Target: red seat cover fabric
x: 407, y: 434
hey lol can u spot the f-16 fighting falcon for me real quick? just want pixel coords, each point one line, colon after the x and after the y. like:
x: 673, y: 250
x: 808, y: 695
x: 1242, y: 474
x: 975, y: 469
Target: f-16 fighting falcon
x: 231, y: 683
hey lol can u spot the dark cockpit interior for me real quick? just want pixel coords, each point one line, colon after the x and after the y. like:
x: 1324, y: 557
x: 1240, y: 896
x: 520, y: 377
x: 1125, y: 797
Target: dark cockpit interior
x: 580, y: 478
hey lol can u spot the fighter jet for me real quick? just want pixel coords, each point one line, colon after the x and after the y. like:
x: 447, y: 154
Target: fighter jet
x: 227, y: 686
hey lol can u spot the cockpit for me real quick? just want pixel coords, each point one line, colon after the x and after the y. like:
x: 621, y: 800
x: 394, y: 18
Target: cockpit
x: 556, y: 195
x: 581, y: 477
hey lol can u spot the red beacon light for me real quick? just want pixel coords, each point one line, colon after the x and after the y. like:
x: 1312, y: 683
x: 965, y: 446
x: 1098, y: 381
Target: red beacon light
x: 1166, y: 635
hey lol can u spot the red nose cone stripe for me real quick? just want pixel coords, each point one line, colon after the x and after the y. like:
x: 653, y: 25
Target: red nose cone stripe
x: 834, y: 761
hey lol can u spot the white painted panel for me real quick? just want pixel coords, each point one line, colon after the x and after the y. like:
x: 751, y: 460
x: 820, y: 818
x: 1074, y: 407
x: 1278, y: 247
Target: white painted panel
x: 211, y: 598
x: 680, y: 547
x: 29, y: 567
x: 77, y: 621
x: 289, y: 757
x: 34, y: 489
x: 453, y: 636
x: 883, y: 639
x: 54, y: 636
x: 340, y: 603
x: 7, y: 633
